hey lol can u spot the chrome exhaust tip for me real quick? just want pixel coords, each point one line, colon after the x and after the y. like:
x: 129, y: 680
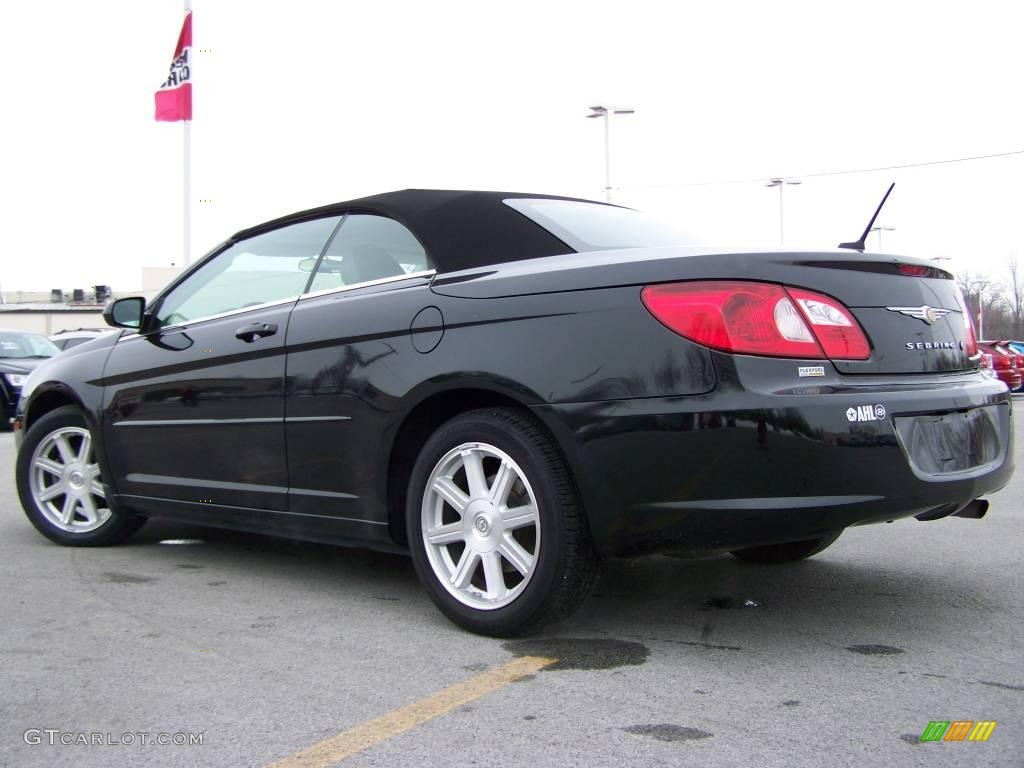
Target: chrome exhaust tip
x: 975, y: 510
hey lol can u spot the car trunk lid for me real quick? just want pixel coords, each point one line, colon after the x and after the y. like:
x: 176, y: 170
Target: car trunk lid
x: 911, y: 311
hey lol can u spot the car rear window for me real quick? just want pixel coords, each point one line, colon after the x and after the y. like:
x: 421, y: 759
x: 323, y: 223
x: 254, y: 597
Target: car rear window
x: 596, y: 227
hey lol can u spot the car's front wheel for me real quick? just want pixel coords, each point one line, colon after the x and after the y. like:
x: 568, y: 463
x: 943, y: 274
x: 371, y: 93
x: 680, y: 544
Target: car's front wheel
x: 495, y: 525
x: 788, y: 551
x: 61, y: 487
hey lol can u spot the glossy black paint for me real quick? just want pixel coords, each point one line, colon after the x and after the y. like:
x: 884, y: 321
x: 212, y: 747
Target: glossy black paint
x: 751, y: 462
x: 178, y: 403
x: 310, y: 430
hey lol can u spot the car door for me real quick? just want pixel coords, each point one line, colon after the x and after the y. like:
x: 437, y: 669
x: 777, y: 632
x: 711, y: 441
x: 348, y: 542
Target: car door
x: 348, y: 352
x: 194, y: 406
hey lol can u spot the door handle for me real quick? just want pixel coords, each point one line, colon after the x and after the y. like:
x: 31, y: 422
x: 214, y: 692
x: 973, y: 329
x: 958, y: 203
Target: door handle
x: 249, y: 333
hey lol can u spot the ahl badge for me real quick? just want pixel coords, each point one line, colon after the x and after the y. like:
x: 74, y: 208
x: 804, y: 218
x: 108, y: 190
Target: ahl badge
x: 865, y: 413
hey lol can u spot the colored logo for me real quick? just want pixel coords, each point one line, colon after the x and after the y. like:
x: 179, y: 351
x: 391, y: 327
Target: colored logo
x: 958, y: 730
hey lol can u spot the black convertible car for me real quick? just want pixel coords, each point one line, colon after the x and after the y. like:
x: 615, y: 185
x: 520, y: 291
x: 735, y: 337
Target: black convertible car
x: 510, y: 387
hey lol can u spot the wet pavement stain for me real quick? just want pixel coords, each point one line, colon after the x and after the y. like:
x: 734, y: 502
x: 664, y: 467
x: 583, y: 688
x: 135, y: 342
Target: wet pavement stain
x: 189, y: 566
x: 791, y: 703
x: 529, y: 717
x: 691, y: 643
x: 126, y: 578
x: 875, y: 650
x: 215, y: 583
x: 667, y: 732
x: 1004, y: 686
x: 581, y: 653
x: 910, y: 738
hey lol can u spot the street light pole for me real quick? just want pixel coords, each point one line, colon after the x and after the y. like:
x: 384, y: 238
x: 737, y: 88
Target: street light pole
x: 780, y: 182
x: 981, y: 316
x: 880, y: 229
x: 606, y: 112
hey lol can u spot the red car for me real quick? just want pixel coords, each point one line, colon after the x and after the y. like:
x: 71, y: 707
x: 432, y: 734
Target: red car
x: 1004, y: 363
x: 1013, y: 348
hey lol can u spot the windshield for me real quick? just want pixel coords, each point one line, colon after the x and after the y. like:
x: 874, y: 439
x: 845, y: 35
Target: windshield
x: 597, y: 227
x: 26, y: 345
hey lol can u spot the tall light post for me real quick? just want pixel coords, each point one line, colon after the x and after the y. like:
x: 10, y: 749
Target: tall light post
x: 981, y: 315
x: 606, y: 111
x: 780, y: 183
x: 880, y: 229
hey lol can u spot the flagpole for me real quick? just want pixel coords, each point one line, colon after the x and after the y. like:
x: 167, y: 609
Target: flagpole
x: 187, y: 200
x: 187, y: 175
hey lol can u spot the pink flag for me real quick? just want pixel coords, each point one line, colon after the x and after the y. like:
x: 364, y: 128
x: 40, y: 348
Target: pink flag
x: 174, y: 99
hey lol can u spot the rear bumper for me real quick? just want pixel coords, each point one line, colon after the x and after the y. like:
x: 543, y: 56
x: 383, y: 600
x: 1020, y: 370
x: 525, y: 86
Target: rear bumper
x: 739, y: 467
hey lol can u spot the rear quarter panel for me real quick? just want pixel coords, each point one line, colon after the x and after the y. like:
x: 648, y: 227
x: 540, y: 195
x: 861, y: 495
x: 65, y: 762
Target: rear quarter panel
x: 353, y: 355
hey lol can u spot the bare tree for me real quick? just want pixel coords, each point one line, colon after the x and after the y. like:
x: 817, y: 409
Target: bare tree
x: 983, y: 295
x: 1015, y: 294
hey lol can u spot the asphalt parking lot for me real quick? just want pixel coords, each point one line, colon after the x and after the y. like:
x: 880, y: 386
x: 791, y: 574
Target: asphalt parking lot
x: 263, y: 648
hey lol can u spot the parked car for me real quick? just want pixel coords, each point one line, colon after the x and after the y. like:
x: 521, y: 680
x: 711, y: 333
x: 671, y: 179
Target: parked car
x: 1004, y: 364
x: 1016, y: 349
x: 20, y: 353
x: 1016, y: 346
x: 510, y: 387
x: 69, y: 339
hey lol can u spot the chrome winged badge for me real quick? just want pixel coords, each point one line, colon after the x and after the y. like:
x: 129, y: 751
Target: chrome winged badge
x: 929, y: 314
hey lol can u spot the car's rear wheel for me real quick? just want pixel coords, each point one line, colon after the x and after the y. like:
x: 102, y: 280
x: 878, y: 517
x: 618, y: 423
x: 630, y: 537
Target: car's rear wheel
x: 60, y: 484
x: 495, y: 525
x: 788, y: 551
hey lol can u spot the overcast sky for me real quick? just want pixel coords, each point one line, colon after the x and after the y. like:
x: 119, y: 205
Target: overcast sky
x: 307, y: 102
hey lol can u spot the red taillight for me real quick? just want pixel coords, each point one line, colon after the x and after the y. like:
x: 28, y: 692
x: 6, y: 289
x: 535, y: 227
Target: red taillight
x: 833, y: 325
x: 914, y: 270
x: 970, y: 339
x: 758, y: 319
x: 1002, y: 362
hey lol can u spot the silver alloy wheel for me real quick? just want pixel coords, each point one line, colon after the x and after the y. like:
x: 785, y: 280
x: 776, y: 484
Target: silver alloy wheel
x: 65, y: 481
x: 481, y: 526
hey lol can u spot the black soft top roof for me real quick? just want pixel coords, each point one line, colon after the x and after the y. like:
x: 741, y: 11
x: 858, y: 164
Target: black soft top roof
x: 460, y: 229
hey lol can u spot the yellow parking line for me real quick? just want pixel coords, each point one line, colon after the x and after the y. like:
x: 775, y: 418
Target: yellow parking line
x: 347, y: 743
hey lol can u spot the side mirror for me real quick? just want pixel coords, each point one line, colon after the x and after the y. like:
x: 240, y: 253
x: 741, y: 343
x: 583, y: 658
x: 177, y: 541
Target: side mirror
x: 125, y: 313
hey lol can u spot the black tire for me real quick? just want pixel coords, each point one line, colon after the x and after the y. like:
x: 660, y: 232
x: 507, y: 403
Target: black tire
x: 787, y: 552
x: 108, y: 526
x: 563, y: 565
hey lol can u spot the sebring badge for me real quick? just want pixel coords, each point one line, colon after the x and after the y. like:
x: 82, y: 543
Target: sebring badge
x: 929, y: 314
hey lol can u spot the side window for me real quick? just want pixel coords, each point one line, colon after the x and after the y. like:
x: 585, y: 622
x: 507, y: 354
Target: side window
x: 270, y: 267
x: 366, y: 248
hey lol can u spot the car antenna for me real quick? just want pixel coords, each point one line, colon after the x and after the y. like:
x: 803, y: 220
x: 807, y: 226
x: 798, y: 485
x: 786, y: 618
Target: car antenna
x: 859, y: 245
